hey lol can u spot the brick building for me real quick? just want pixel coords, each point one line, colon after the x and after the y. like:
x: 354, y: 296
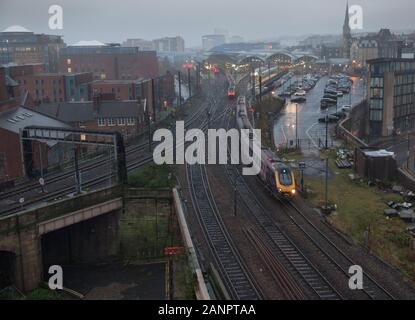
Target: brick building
x: 103, y: 113
x: 109, y: 62
x: 49, y: 87
x: 9, y: 91
x: 22, y: 46
x: 164, y: 90
x: 11, y: 122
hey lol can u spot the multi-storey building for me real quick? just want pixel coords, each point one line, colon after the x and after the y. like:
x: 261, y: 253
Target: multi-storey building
x: 363, y: 50
x: 169, y: 44
x: 164, y: 90
x: 391, y: 96
x: 22, y: 46
x: 109, y: 62
x: 212, y: 40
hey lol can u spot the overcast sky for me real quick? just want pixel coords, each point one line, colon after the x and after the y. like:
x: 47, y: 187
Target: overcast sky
x: 116, y: 20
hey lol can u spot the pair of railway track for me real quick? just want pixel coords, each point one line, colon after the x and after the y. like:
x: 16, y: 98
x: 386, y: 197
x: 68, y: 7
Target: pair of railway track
x: 295, y: 260
x: 239, y: 283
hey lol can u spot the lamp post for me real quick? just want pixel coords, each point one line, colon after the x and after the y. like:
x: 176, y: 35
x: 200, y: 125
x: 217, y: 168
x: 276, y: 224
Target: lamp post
x: 180, y: 88
x: 326, y: 200
x: 409, y: 142
x: 296, y: 125
x: 190, y: 85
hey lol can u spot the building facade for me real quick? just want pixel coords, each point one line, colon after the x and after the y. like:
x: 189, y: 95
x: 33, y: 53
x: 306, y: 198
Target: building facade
x: 169, y: 44
x: 109, y: 62
x: 144, y: 45
x: 391, y: 96
x: 104, y: 112
x: 164, y: 90
x: 22, y: 46
x: 212, y: 40
x: 53, y: 87
x: 363, y: 50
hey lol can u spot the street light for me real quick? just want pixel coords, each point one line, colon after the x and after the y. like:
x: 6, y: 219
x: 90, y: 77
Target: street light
x: 296, y: 125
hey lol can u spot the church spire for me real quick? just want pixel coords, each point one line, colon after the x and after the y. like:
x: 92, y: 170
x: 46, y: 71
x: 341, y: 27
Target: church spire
x: 347, y: 36
x: 346, y: 25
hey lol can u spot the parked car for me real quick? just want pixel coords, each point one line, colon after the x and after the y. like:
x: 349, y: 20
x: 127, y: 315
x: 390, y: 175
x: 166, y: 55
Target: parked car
x: 346, y: 108
x: 340, y: 114
x: 299, y: 99
x: 329, y: 118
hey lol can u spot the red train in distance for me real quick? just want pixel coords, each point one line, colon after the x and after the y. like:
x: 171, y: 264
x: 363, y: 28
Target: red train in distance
x: 231, y: 93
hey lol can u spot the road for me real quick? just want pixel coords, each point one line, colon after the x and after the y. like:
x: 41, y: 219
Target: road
x: 309, y: 130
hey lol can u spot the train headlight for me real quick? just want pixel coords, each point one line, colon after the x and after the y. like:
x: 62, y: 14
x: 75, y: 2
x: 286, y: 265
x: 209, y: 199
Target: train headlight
x: 279, y: 189
x: 293, y: 191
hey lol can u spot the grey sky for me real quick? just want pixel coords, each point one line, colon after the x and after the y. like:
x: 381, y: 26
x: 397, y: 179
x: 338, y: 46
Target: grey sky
x: 116, y: 20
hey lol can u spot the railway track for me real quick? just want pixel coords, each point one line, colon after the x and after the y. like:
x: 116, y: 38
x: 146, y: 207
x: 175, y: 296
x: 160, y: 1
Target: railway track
x: 333, y: 255
x: 236, y: 277
x: 290, y: 289
x: 136, y: 151
x: 54, y: 177
x: 61, y: 193
x: 321, y: 246
x: 280, y: 245
x: 237, y: 280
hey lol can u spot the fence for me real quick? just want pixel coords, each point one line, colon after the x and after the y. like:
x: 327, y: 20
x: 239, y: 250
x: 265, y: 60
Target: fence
x: 308, y: 144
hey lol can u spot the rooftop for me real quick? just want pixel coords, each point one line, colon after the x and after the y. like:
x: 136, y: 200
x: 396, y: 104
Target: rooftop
x: 16, y: 28
x: 18, y: 118
x: 88, y: 43
x: 85, y: 111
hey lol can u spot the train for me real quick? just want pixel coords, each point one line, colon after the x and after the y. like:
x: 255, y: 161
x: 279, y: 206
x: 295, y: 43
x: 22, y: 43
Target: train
x: 231, y: 92
x: 231, y: 87
x: 277, y: 176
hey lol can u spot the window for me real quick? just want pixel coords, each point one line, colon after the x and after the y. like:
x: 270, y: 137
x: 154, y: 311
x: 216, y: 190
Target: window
x: 69, y: 70
x: 376, y: 104
x: 101, y: 122
x: 121, y: 121
x: 130, y: 121
x: 376, y: 115
x: 285, y: 177
x: 69, y: 61
x: 111, y: 121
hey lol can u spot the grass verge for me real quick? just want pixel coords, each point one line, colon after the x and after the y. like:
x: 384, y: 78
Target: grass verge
x: 360, y: 208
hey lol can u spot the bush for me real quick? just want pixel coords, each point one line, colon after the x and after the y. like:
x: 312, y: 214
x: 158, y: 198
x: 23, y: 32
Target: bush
x: 152, y: 176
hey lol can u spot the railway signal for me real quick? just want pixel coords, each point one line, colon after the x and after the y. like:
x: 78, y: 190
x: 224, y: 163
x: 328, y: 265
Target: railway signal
x: 42, y: 184
x: 302, y: 166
